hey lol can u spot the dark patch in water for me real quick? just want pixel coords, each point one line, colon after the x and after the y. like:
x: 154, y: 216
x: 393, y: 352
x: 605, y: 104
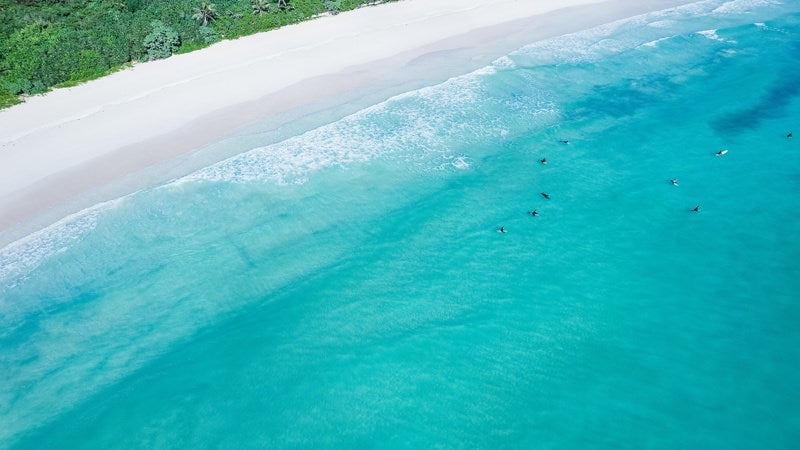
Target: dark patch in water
x: 624, y: 99
x: 772, y: 105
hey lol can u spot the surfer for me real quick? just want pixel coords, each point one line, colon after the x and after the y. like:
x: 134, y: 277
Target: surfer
x: 696, y: 209
x: 546, y: 195
x: 721, y: 152
x: 535, y: 213
x: 543, y: 160
x: 674, y: 181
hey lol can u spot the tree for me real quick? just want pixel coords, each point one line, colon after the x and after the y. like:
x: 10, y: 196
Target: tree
x: 260, y: 7
x: 284, y: 4
x: 206, y: 13
x: 162, y: 41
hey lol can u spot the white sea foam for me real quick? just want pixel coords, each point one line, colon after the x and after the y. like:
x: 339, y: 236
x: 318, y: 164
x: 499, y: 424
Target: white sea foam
x: 678, y: 13
x: 662, y: 24
x: 24, y: 255
x: 600, y: 42
x: 711, y: 34
x: 654, y: 43
x: 713, y: 8
x: 418, y: 127
x: 461, y: 162
x: 743, y: 6
x: 766, y: 27
x: 504, y: 62
x: 585, y: 46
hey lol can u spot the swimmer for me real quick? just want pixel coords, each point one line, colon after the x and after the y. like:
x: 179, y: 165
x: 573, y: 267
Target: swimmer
x: 564, y: 141
x: 535, y: 213
x: 789, y: 136
x: 721, y: 152
x: 501, y: 230
x: 546, y: 195
x: 543, y: 160
x: 674, y: 181
x: 696, y: 209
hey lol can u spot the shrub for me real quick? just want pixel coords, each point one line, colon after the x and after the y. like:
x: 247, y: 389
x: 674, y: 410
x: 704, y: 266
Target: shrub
x: 208, y: 35
x: 332, y: 6
x: 7, y: 99
x: 33, y: 58
x: 91, y: 64
x: 162, y: 41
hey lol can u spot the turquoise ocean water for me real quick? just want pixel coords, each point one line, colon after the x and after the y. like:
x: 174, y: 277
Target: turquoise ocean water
x: 347, y: 288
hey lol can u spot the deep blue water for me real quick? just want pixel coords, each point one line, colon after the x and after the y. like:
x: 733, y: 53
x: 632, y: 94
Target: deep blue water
x: 347, y: 287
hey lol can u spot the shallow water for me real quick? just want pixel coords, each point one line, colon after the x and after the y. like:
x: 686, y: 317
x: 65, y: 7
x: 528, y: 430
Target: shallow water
x: 347, y: 287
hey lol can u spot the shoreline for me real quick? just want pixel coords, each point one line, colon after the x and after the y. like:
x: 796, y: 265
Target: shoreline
x: 155, y: 122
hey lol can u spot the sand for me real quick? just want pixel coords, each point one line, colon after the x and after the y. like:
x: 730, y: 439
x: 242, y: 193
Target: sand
x: 74, y: 147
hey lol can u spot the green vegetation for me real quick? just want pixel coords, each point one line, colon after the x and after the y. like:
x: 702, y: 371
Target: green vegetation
x: 332, y: 6
x: 206, y: 13
x: 49, y: 43
x: 7, y: 99
x: 162, y: 42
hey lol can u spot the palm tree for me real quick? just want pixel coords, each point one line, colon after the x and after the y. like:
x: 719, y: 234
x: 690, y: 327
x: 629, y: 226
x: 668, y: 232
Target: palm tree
x: 284, y: 4
x: 207, y: 12
x: 260, y: 7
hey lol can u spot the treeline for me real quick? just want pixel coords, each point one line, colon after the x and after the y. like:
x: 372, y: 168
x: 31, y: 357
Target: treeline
x: 51, y: 43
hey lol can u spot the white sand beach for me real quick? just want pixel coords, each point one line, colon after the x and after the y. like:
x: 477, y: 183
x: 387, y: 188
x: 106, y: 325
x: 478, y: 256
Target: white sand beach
x: 74, y: 147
